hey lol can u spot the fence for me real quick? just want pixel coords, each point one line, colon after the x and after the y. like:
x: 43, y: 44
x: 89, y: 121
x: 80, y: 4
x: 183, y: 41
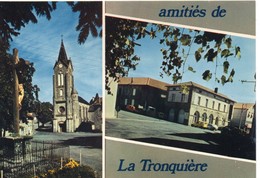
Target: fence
x: 38, y: 157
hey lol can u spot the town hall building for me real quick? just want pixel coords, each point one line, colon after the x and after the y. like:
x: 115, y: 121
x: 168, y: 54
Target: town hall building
x: 70, y: 110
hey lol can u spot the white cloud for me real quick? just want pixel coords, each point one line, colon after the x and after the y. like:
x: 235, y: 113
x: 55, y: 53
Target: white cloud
x: 40, y: 44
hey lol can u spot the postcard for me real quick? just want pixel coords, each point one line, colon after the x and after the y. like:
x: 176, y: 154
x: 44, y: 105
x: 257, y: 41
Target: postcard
x: 180, y: 89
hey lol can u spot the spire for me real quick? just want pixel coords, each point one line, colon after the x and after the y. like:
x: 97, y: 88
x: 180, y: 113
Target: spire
x: 62, y: 54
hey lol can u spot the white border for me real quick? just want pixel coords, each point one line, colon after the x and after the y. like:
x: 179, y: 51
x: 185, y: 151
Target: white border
x: 181, y: 26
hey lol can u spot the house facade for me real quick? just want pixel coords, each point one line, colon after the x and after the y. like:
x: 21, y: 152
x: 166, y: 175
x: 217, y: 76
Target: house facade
x: 69, y: 109
x: 146, y: 94
x: 189, y: 102
x: 243, y: 115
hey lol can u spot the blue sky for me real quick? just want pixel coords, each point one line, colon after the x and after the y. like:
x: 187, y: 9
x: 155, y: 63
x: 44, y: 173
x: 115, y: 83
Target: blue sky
x: 151, y: 59
x: 40, y: 43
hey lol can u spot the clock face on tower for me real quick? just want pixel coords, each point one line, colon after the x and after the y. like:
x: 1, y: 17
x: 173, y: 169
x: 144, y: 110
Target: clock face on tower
x: 60, y: 65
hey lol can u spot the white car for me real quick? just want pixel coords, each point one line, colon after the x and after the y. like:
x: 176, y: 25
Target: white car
x: 212, y: 127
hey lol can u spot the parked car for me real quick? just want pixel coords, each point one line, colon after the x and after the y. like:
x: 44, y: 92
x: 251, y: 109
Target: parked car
x: 200, y: 124
x: 212, y: 127
x: 130, y: 108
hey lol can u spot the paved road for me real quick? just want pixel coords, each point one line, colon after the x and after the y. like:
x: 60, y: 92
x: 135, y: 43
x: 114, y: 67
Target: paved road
x: 151, y: 130
x: 89, y: 144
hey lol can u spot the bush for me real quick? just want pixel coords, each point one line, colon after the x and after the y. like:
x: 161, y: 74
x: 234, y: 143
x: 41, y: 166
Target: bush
x: 70, y: 170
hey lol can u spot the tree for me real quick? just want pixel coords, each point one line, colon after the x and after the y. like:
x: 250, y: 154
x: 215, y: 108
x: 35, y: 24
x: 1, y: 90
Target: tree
x: 45, y: 113
x: 25, y: 72
x: 15, y: 15
x: 122, y: 37
x: 90, y: 19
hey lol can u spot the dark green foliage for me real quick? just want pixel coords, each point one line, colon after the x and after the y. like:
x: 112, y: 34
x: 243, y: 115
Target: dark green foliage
x: 90, y: 19
x: 44, y: 113
x: 15, y: 15
x: 25, y: 71
x: 122, y: 38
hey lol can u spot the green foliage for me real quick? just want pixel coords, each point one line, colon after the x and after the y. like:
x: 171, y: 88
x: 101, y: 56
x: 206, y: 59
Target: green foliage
x: 120, y: 44
x: 90, y: 19
x: 207, y: 75
x: 44, y: 112
x: 25, y: 71
x: 191, y: 69
x: 225, y: 66
x: 15, y: 15
x: 122, y: 38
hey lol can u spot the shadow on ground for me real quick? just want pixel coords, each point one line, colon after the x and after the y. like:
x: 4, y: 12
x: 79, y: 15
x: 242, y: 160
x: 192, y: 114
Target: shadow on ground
x: 216, y: 144
x: 88, y: 142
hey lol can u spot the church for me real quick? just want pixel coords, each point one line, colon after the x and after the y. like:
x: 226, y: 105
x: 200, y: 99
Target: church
x: 70, y: 110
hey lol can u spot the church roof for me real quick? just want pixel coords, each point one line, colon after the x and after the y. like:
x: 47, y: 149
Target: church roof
x: 63, y: 56
x: 81, y: 100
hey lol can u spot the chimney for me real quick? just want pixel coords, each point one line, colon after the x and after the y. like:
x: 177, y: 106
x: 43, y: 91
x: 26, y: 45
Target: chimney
x: 216, y: 90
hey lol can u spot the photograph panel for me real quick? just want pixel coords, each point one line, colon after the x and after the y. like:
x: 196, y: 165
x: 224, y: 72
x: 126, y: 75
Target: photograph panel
x: 182, y: 87
x: 51, y: 89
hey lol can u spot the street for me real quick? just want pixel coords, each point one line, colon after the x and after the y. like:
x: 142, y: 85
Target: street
x: 151, y: 130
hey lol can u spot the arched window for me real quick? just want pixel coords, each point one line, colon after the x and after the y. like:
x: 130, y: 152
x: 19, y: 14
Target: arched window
x: 211, y: 119
x: 61, y: 92
x: 216, y: 121
x: 196, y: 117
x: 223, y: 122
x: 60, y: 79
x: 204, y: 117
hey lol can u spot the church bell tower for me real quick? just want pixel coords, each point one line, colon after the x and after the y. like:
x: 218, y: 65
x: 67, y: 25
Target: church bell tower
x: 63, y: 93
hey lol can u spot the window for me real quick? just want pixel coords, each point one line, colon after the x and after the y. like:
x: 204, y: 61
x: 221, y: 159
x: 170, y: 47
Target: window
x: 213, y: 104
x: 204, y: 117
x: 199, y: 98
x: 134, y: 91
x: 133, y: 102
x: 182, y: 97
x: 61, y: 109
x: 125, y: 101
x: 60, y: 79
x: 173, y: 97
x: 224, y: 108
x: 219, y: 106
x: 207, y: 102
x: 61, y: 92
x: 223, y: 122
x: 80, y: 112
